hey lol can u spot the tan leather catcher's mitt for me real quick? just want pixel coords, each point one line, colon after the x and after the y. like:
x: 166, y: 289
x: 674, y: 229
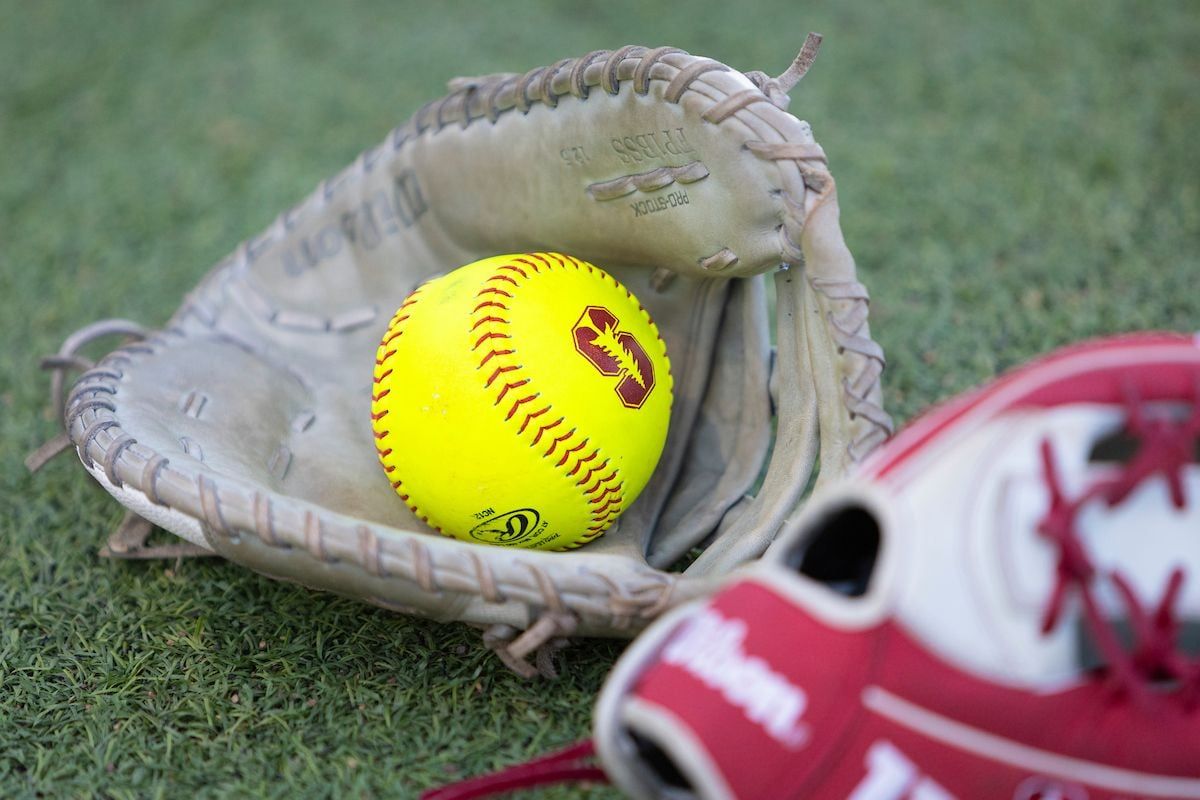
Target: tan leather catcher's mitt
x: 243, y: 426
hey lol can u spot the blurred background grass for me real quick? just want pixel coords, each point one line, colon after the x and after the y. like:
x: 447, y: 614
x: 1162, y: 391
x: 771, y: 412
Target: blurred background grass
x: 1013, y: 176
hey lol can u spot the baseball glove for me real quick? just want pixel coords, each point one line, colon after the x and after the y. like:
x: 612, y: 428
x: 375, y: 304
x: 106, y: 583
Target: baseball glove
x: 1000, y: 605
x: 243, y: 425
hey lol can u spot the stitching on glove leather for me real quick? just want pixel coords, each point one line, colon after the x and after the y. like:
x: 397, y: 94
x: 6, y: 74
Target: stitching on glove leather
x: 90, y: 435
x: 192, y: 448
x: 608, y: 77
x: 150, y: 473
x: 650, y: 181
x: 314, y: 542
x: 192, y: 404
x: 546, y: 90
x: 846, y: 300
x: 368, y: 550
x: 264, y: 520
x: 722, y: 259
x: 687, y: 75
x: 303, y: 421
x: 486, y: 580
x: 280, y: 461
x: 641, y: 75
x: 579, y: 85
x: 115, y: 449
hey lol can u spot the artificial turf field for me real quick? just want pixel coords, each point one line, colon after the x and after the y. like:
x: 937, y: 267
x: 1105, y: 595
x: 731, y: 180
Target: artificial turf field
x: 1012, y: 177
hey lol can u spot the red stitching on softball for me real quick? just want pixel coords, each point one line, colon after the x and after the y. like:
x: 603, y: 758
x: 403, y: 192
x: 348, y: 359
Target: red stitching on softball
x: 516, y: 269
x: 489, y: 356
x: 591, y: 472
x: 379, y: 415
x: 590, y: 267
x: 615, y: 502
x: 609, y: 488
x: 529, y: 418
x: 489, y: 304
x: 611, y: 508
x: 489, y: 319
x: 533, y: 266
x: 607, y: 478
x: 492, y: 335
x: 608, y: 513
x: 380, y: 434
x: 545, y: 428
x: 602, y: 500
x: 393, y: 332
x: 499, y: 371
x: 574, y: 449
x: 609, y: 504
x: 513, y: 385
x: 499, y: 277
x: 526, y: 399
x: 421, y: 515
x: 493, y: 290
x: 581, y: 462
x: 599, y: 498
x: 556, y: 442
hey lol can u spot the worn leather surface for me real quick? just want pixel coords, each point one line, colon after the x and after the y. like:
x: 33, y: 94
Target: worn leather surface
x: 244, y: 424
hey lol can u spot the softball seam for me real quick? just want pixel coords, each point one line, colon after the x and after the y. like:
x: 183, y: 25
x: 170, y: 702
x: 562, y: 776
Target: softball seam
x: 577, y: 462
x: 386, y: 350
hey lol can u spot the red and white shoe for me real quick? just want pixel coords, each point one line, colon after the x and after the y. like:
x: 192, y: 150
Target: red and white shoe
x: 999, y: 605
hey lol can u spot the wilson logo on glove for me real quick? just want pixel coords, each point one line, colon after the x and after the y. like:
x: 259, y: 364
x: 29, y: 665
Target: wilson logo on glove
x: 712, y: 649
x: 615, y: 352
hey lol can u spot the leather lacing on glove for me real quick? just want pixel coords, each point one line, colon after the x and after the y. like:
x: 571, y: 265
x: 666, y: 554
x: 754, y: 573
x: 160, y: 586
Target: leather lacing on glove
x: 129, y: 539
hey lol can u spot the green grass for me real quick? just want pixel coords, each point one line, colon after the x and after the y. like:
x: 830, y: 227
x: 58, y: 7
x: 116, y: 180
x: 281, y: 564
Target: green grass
x: 1013, y: 177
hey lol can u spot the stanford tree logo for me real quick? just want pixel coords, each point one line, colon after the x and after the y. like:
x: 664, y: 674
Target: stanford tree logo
x: 615, y: 353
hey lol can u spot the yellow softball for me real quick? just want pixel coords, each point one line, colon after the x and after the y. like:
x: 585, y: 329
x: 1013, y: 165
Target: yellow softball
x: 521, y: 400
